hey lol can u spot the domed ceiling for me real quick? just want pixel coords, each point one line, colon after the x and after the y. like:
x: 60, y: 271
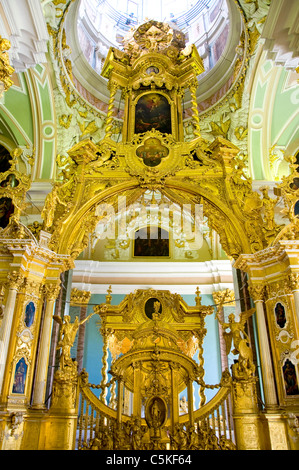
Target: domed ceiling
x: 214, y: 26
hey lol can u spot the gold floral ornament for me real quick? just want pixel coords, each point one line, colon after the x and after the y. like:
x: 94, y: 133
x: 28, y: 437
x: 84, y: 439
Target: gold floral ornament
x: 154, y: 36
x: 6, y: 70
x: 288, y: 189
x: 14, y: 185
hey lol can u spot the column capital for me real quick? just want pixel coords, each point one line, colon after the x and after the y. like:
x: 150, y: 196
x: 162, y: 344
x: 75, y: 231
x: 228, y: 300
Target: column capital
x: 293, y: 279
x: 51, y: 291
x: 257, y: 292
x: 15, y: 279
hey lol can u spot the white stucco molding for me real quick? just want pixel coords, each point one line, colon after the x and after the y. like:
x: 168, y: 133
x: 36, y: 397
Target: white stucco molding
x: 281, y: 33
x: 23, y: 23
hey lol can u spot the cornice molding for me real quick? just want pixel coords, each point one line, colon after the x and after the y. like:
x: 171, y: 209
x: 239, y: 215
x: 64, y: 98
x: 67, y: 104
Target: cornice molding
x: 24, y: 25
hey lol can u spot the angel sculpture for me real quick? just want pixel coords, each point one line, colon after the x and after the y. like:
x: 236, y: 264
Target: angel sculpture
x: 244, y: 368
x: 67, y: 337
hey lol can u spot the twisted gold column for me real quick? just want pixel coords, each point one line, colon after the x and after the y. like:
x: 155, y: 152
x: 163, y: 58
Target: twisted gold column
x: 109, y: 120
x: 201, y: 391
x: 120, y: 398
x: 195, y: 114
x: 104, y: 374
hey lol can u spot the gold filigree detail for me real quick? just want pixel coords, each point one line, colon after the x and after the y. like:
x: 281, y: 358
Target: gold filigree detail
x: 6, y: 70
x: 80, y: 297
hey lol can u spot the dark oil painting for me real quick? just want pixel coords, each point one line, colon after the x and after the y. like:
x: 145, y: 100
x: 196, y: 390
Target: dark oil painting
x: 6, y: 210
x: 152, y: 112
x: 151, y: 241
x: 152, y: 152
x: 280, y: 315
x: 290, y: 378
x: 5, y: 159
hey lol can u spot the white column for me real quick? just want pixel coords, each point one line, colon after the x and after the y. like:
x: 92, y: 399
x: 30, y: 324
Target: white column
x: 266, y: 363
x: 44, y: 349
x: 296, y: 300
x: 5, y: 331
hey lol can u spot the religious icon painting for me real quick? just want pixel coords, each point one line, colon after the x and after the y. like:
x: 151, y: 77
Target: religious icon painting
x: 152, y: 152
x: 10, y: 181
x: 152, y: 69
x: 5, y: 159
x: 280, y: 315
x: 153, y: 112
x: 29, y: 314
x: 20, y: 377
x: 6, y: 210
x: 290, y: 378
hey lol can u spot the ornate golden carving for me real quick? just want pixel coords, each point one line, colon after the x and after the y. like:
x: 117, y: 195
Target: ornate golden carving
x: 51, y: 291
x: 224, y: 297
x: 14, y: 185
x: 32, y: 288
x: 15, y: 279
x: 293, y: 281
x: 67, y: 336
x: 64, y: 388
x: 257, y: 292
x: 6, y: 70
x: 80, y: 297
x: 244, y: 368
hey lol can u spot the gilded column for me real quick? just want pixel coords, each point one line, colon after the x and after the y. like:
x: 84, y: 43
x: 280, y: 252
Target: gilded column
x: 190, y: 401
x: 195, y: 115
x: 104, y: 374
x: 137, y: 394
x: 257, y: 294
x: 294, y: 284
x: 51, y: 293
x: 15, y: 280
x: 120, y: 393
x: 174, y: 395
x: 109, y: 120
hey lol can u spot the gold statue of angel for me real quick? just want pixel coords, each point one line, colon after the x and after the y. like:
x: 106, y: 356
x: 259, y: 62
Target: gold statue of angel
x: 67, y: 336
x: 240, y: 340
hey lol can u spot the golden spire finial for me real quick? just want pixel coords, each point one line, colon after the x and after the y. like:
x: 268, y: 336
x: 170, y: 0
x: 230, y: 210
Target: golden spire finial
x: 198, y: 297
x: 109, y: 296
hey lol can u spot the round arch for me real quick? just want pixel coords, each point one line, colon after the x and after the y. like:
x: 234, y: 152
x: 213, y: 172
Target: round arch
x: 72, y: 234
